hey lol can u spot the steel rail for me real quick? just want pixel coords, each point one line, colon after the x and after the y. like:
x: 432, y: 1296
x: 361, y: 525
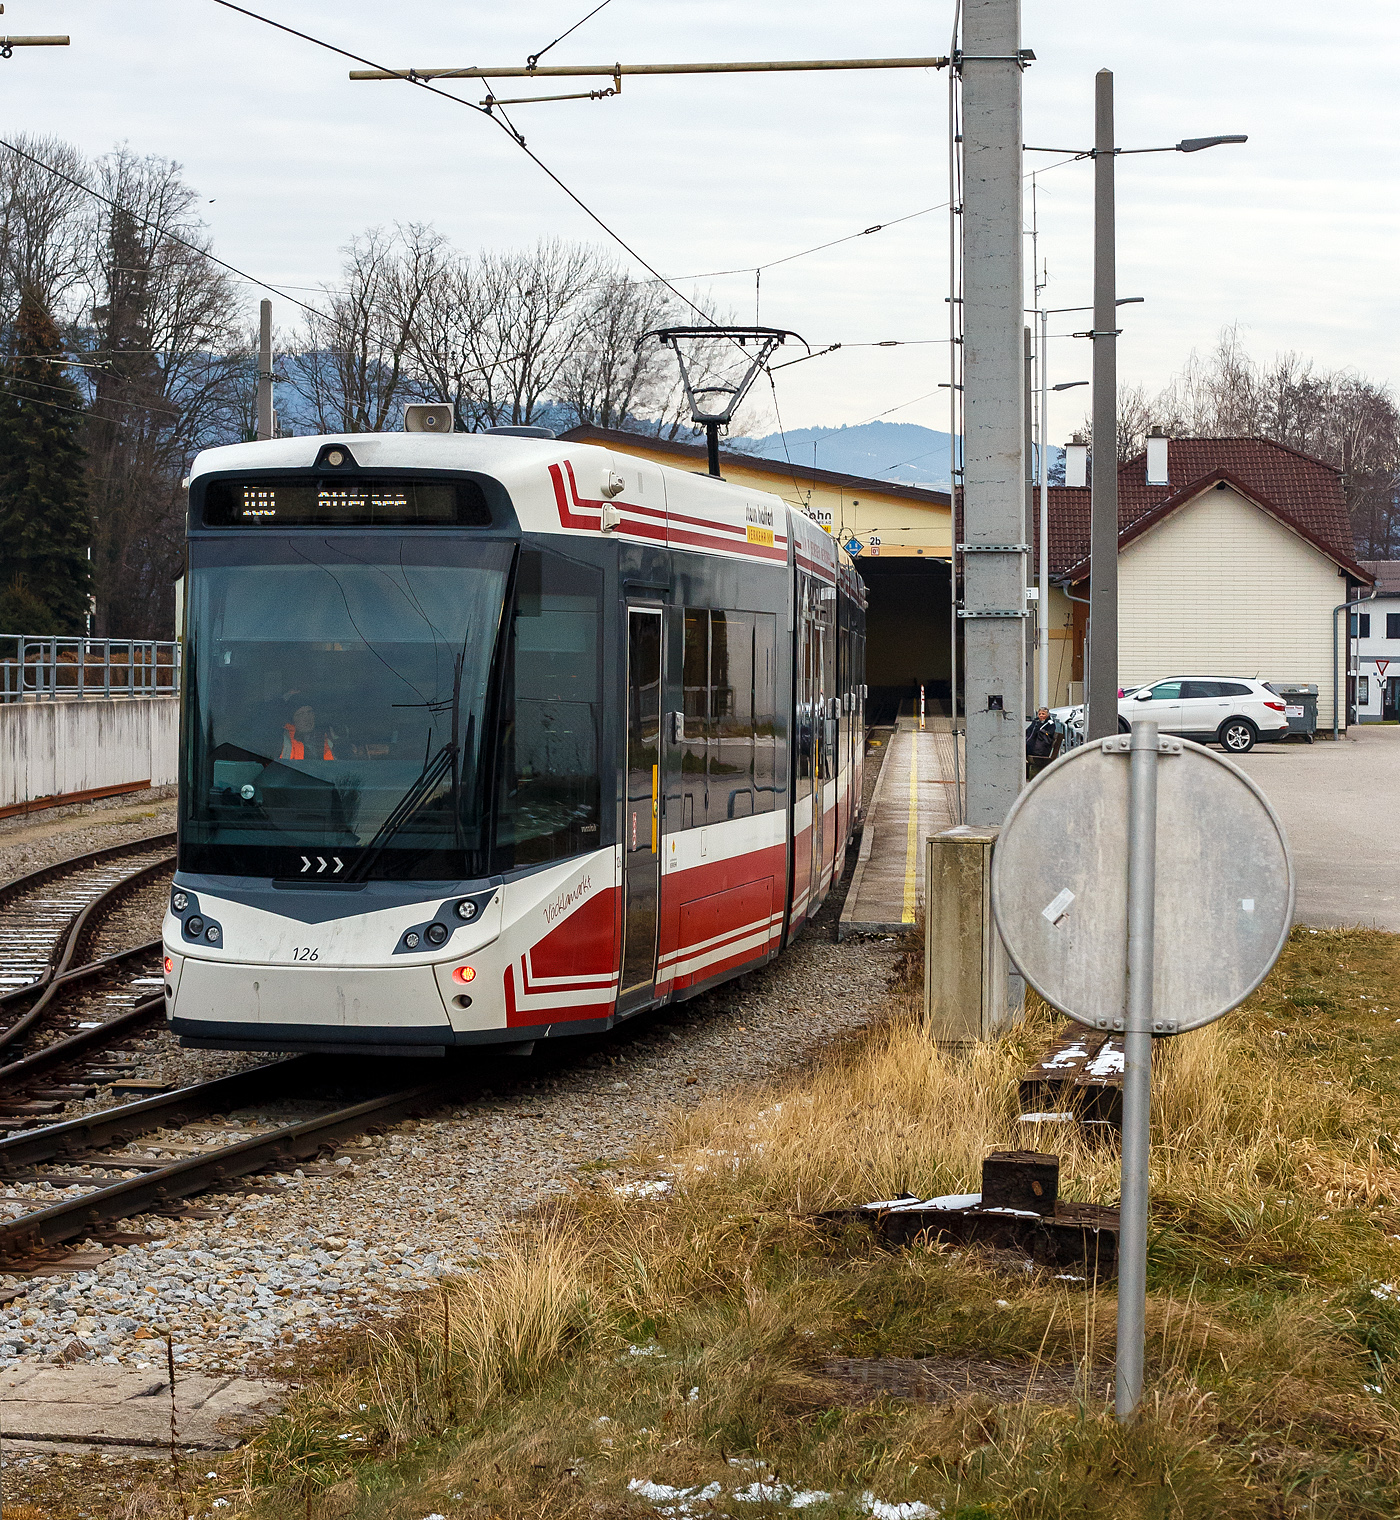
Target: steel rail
x: 82, y: 973
x: 22, y: 884
x: 18, y: 1074
x: 61, y: 970
x: 159, y: 1188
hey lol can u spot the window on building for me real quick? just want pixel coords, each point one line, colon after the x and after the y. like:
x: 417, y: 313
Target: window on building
x: 1363, y: 691
x: 1392, y: 625
x: 1361, y: 625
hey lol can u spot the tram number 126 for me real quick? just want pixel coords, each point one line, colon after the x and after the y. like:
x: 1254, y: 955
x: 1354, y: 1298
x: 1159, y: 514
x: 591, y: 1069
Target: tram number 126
x: 305, y: 953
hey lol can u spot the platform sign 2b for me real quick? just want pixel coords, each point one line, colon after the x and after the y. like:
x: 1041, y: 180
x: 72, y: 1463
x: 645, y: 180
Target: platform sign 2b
x: 1141, y: 884
x: 1224, y: 886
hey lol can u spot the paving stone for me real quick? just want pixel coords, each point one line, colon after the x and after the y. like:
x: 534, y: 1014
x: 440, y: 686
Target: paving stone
x: 107, y: 1407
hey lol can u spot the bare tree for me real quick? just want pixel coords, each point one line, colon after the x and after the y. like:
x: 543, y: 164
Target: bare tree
x: 45, y: 225
x: 353, y: 372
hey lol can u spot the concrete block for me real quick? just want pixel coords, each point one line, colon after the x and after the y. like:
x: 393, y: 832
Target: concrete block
x: 970, y: 990
x: 106, y: 1406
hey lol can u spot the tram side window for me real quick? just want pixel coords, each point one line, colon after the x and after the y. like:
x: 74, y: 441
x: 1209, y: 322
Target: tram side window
x: 731, y: 716
x: 548, y: 793
x: 728, y: 755
x: 765, y: 713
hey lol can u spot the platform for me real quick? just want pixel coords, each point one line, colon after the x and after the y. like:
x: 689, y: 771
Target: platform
x: 915, y: 796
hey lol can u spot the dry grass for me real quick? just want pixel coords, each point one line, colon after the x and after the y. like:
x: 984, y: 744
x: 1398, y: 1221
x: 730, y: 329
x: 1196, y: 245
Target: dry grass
x: 697, y: 1321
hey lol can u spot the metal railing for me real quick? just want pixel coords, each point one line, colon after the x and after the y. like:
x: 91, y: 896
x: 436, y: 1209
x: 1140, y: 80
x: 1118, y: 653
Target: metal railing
x: 51, y: 669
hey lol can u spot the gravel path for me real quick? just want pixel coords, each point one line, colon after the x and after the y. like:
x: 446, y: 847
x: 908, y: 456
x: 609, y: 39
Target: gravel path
x: 330, y: 1244
x: 34, y: 840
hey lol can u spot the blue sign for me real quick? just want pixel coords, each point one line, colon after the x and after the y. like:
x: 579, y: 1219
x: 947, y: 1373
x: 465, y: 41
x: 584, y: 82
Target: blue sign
x: 853, y: 547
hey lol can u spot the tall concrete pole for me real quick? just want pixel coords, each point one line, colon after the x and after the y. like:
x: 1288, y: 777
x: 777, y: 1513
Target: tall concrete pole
x: 265, y: 370
x: 994, y: 476
x: 1043, y: 606
x: 1032, y: 624
x: 1101, y: 716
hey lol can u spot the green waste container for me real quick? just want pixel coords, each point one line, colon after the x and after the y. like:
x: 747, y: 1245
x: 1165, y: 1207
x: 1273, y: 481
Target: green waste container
x: 1300, y: 702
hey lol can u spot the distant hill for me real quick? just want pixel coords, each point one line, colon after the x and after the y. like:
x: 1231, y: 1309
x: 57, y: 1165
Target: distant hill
x: 896, y: 451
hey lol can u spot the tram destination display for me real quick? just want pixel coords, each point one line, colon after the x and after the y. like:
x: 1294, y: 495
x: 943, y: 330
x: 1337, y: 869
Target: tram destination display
x: 340, y: 502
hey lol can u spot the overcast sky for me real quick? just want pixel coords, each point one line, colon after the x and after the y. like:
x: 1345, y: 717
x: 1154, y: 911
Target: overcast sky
x: 1292, y: 236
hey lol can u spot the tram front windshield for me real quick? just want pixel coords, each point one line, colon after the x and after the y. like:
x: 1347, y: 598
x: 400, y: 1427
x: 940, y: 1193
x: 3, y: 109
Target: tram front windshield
x: 336, y: 697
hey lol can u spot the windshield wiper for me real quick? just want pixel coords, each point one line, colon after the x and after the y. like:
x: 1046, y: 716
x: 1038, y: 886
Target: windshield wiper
x: 409, y: 805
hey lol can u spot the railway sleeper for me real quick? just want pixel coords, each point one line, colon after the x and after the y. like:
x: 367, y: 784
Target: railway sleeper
x: 164, y: 1186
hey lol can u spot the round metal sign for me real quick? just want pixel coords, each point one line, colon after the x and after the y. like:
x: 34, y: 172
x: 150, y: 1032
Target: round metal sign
x: 1224, y: 898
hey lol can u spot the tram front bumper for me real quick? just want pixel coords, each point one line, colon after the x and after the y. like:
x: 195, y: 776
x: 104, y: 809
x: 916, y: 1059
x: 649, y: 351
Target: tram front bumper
x: 225, y: 1005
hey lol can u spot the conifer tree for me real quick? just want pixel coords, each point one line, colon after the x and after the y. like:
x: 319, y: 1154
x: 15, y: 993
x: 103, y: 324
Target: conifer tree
x: 44, y: 524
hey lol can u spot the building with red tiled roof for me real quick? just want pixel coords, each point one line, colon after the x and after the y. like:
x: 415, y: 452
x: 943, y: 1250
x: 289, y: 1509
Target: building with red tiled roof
x: 1231, y: 558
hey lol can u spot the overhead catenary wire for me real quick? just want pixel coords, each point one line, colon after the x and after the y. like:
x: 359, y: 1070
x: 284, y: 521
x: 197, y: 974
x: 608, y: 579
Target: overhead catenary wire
x: 505, y: 126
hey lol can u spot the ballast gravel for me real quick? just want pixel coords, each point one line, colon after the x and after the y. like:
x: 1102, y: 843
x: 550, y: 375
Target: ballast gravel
x: 289, y: 1257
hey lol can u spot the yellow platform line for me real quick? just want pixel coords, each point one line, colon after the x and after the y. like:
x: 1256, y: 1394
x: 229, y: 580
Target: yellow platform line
x: 911, y: 847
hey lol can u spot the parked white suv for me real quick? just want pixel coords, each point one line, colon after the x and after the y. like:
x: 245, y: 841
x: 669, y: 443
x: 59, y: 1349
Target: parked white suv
x: 1233, y: 712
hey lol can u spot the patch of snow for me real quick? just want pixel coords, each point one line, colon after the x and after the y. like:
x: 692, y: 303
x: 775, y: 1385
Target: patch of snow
x: 1066, y: 1057
x: 1108, y: 1063
x: 911, y: 1509
x: 651, y: 1189
x: 807, y: 1497
x: 757, y: 1493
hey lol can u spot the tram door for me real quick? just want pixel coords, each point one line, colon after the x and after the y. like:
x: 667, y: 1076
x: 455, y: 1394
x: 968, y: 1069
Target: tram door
x: 821, y: 756
x: 641, y: 844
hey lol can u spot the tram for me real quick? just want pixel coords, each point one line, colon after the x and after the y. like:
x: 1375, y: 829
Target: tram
x: 490, y: 738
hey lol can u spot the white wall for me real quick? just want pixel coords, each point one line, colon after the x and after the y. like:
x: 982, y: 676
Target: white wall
x: 1368, y: 650
x: 47, y: 748
x: 1221, y: 588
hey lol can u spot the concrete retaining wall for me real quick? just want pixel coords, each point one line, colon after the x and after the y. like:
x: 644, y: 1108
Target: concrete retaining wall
x: 47, y: 748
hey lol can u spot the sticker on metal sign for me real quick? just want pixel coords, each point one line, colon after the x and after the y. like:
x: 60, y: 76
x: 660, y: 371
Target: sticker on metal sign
x: 1293, y: 712
x: 1224, y: 901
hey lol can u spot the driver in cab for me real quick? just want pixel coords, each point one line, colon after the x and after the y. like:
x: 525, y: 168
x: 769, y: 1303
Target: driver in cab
x: 302, y: 740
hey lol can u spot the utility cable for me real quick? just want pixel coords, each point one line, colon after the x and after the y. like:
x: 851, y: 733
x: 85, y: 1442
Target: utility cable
x: 155, y: 226
x: 505, y: 126
x: 533, y: 60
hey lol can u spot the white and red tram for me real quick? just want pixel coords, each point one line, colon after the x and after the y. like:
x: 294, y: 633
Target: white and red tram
x: 488, y: 738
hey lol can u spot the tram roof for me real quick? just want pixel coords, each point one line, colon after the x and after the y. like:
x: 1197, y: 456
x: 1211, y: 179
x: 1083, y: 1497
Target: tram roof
x: 563, y: 486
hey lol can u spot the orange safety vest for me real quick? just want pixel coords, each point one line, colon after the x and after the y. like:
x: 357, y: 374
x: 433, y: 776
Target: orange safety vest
x: 294, y: 749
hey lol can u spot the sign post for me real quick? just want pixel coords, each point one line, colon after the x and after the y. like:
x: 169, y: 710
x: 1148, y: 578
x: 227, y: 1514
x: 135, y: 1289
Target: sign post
x: 1137, y: 1066
x: 1147, y: 899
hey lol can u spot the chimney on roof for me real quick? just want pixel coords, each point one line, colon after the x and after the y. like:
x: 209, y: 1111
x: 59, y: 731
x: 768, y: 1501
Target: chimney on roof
x: 1156, y: 458
x: 1077, y: 461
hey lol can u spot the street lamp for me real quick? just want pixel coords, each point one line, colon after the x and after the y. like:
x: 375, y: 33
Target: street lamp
x: 1101, y: 679
x: 1043, y: 576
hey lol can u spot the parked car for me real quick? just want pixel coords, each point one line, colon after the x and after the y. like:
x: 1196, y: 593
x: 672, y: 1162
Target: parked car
x: 1234, y: 712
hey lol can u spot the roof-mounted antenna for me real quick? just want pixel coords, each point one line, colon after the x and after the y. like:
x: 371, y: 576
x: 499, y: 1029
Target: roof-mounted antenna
x: 712, y: 399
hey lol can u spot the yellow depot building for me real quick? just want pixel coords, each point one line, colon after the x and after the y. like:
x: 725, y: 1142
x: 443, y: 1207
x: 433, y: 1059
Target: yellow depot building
x: 906, y: 539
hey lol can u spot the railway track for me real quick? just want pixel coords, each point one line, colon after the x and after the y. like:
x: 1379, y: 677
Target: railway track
x: 149, y: 1155
x: 48, y: 923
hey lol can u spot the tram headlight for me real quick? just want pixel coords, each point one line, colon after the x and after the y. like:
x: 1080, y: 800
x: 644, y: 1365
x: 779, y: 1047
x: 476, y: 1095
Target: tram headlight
x: 335, y: 456
x: 410, y: 940
x: 194, y: 927
x: 466, y: 909
x: 212, y: 934
x: 180, y: 901
x: 436, y: 934
x: 464, y: 974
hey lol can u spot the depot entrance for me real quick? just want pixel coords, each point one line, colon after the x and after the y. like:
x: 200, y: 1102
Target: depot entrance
x: 907, y: 634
